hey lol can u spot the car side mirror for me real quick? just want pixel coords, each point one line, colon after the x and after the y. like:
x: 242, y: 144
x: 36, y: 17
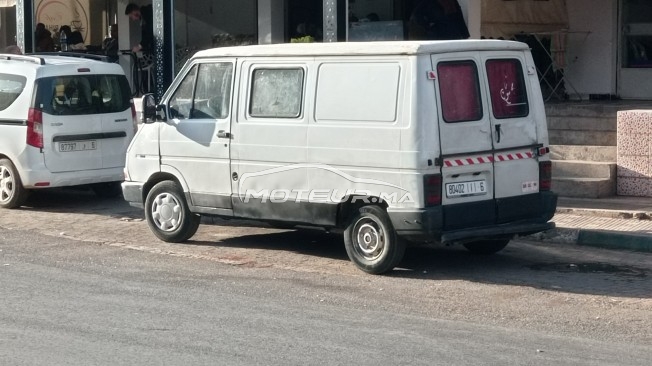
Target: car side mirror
x: 151, y: 109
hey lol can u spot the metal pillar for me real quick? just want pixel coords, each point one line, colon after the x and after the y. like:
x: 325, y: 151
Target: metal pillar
x: 163, y: 45
x: 25, y: 25
x: 330, y: 20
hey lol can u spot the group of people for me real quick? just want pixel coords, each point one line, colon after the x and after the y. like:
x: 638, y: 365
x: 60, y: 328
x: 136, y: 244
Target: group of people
x: 46, y: 42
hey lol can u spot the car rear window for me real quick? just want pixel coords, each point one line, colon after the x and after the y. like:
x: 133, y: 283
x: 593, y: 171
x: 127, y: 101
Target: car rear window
x: 507, y: 88
x: 10, y: 88
x: 83, y: 94
x: 459, y: 90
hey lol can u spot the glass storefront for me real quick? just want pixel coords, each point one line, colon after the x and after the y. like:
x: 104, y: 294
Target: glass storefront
x: 200, y: 25
x: 637, y: 33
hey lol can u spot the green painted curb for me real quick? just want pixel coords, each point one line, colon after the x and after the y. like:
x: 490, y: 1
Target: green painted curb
x: 615, y: 240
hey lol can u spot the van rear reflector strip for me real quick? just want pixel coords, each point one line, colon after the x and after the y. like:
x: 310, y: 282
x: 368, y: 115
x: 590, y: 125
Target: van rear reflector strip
x: 515, y: 156
x: 485, y: 159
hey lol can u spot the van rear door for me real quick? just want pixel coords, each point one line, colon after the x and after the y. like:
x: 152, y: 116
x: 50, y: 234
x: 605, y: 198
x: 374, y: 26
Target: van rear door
x: 514, y: 128
x: 466, y: 141
x: 87, y: 121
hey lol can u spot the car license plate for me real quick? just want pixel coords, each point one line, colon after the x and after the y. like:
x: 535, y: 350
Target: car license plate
x: 77, y: 145
x: 472, y: 188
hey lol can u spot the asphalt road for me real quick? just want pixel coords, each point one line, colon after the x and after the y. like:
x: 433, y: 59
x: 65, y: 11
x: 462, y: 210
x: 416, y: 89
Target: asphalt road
x: 82, y: 281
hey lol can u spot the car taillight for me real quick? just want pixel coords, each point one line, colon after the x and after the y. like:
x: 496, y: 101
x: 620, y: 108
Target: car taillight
x: 432, y: 189
x: 35, y: 128
x: 545, y: 175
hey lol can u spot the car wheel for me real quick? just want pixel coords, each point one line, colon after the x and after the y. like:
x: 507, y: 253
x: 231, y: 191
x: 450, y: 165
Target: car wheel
x: 168, y: 215
x: 486, y: 247
x: 107, y: 190
x: 12, y: 193
x: 371, y: 242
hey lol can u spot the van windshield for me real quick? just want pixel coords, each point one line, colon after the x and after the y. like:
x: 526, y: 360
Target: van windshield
x: 83, y: 94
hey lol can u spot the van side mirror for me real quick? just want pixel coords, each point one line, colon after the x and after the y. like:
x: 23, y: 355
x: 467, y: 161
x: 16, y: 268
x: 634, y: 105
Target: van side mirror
x: 151, y: 109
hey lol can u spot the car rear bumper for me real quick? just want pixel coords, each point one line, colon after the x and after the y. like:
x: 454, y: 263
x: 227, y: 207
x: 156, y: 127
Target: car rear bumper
x: 445, y: 225
x: 45, y: 179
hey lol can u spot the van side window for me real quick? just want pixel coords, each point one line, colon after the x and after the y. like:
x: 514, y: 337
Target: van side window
x: 213, y: 92
x: 181, y: 101
x: 276, y: 93
x: 10, y: 88
x: 459, y: 90
x: 507, y: 88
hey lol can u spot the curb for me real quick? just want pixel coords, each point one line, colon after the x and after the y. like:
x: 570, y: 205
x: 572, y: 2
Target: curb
x: 615, y: 240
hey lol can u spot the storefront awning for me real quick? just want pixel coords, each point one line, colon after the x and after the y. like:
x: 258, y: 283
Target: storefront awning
x: 7, y: 3
x: 505, y: 18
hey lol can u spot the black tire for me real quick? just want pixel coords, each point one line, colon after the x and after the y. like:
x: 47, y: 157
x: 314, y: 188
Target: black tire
x: 168, y: 215
x: 12, y: 192
x: 486, y: 247
x: 107, y: 190
x: 371, y: 242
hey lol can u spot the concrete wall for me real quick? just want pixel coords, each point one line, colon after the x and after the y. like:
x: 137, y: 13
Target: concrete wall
x: 634, y: 153
x: 591, y: 58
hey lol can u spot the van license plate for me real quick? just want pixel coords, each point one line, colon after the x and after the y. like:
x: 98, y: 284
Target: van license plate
x: 77, y: 145
x: 472, y: 188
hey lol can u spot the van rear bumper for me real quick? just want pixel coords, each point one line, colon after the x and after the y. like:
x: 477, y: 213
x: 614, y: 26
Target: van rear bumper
x: 431, y: 224
x: 133, y: 193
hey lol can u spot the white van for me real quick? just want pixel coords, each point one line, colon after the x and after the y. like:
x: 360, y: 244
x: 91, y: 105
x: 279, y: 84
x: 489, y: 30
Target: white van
x: 443, y: 142
x: 64, y: 121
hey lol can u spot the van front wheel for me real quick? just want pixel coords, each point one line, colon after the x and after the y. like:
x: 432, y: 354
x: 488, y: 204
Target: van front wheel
x: 12, y: 193
x: 486, y: 247
x: 168, y: 215
x: 371, y: 242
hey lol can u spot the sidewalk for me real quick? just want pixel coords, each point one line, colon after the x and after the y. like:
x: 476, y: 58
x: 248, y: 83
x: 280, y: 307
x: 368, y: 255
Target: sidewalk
x: 615, y: 222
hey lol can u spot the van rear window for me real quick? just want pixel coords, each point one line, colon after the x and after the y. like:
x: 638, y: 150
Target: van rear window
x: 507, y: 88
x: 459, y: 90
x: 10, y: 88
x: 83, y: 94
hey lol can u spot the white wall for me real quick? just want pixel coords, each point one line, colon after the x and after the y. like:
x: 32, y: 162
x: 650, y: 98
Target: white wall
x: 591, y: 58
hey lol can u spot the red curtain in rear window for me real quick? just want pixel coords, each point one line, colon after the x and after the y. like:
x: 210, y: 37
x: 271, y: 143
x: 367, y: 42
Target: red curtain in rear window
x: 460, y: 93
x: 507, y: 88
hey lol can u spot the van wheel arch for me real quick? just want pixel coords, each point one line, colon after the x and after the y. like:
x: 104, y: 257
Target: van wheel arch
x: 348, y: 208
x: 156, y: 179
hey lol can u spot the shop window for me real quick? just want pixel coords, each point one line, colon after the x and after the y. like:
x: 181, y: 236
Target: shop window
x: 459, y: 91
x: 276, y: 93
x: 507, y: 88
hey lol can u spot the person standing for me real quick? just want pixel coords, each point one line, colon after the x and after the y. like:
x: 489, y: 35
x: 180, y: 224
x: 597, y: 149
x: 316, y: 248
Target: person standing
x: 43, y: 38
x: 145, y: 15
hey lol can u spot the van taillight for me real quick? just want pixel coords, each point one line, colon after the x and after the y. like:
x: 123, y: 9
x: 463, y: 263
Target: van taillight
x: 432, y: 189
x: 545, y: 175
x: 35, y: 128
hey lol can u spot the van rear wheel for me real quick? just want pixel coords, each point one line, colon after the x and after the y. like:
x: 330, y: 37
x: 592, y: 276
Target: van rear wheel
x: 168, y: 215
x: 486, y: 247
x: 371, y: 242
x: 12, y: 192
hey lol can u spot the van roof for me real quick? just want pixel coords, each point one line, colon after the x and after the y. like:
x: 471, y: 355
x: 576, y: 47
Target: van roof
x: 362, y: 48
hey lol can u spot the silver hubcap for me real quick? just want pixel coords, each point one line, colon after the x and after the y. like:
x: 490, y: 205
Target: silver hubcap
x: 6, y: 184
x: 369, y: 238
x: 167, y: 212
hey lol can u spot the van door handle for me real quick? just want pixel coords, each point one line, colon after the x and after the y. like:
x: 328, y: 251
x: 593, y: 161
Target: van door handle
x: 498, y: 131
x: 223, y: 134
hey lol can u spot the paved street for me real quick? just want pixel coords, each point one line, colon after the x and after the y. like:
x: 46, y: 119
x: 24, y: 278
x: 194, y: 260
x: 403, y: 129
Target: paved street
x: 83, y: 281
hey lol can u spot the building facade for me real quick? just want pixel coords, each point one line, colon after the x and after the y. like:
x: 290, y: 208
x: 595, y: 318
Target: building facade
x: 585, y: 49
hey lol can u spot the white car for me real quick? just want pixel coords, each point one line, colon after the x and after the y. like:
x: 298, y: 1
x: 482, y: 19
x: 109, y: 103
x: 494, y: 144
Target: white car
x: 64, y: 121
